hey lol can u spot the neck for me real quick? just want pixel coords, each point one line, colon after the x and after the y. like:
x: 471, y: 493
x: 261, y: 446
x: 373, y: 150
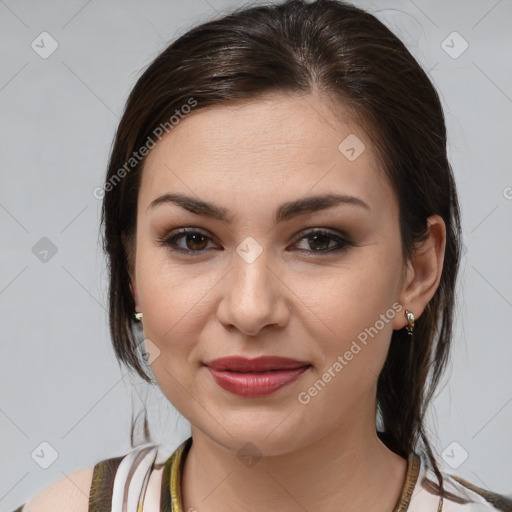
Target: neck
x: 348, y: 470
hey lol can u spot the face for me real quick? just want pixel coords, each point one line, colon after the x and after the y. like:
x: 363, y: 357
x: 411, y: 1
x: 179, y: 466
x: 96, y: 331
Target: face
x: 321, y: 286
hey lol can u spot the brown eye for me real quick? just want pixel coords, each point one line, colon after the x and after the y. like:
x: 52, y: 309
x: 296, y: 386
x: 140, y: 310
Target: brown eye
x: 321, y: 241
x: 195, y: 241
x: 190, y: 241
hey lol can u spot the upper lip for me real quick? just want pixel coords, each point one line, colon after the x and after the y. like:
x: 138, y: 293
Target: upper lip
x: 259, y: 364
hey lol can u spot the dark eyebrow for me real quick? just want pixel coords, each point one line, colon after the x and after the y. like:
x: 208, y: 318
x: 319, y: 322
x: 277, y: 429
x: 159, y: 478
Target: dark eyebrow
x: 285, y: 212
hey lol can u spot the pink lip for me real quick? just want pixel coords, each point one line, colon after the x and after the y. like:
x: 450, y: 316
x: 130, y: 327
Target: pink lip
x: 259, y: 364
x: 255, y: 377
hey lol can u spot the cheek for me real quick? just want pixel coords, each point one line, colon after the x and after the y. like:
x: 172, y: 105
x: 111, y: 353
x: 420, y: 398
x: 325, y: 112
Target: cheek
x: 174, y: 313
x: 354, y: 299
x: 170, y: 291
x: 356, y: 311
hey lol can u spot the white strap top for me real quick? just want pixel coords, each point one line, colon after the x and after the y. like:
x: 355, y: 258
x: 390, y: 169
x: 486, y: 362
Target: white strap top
x: 131, y: 480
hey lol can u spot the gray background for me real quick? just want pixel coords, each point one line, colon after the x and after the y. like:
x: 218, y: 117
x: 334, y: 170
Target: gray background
x: 60, y: 382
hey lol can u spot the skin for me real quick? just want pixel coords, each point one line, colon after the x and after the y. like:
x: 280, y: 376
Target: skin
x: 249, y: 159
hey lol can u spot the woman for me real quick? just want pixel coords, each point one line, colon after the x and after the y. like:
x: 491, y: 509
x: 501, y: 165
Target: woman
x: 281, y: 218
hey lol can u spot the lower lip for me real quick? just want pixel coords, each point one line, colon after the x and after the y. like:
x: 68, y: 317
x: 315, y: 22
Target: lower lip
x: 255, y: 384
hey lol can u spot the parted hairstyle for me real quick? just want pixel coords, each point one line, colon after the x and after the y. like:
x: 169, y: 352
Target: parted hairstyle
x: 353, y: 60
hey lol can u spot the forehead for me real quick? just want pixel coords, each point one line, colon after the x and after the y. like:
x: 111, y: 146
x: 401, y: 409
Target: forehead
x: 281, y: 146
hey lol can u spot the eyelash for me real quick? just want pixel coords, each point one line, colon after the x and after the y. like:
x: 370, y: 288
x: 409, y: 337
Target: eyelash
x: 170, y: 241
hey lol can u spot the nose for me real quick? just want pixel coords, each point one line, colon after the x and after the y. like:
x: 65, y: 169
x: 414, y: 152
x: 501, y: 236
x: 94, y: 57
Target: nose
x: 254, y: 297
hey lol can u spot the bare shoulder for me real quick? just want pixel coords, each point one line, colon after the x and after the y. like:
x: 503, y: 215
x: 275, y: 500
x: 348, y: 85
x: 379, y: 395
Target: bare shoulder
x: 68, y: 494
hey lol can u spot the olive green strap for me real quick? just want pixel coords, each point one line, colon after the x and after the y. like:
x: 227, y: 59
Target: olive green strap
x: 100, y: 496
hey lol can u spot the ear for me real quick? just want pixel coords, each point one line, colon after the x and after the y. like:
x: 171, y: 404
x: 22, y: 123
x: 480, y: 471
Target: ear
x: 423, y: 272
x: 133, y: 286
x: 131, y: 273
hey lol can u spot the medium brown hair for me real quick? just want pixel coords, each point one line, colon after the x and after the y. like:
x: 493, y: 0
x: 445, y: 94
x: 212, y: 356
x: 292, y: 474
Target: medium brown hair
x: 350, y: 57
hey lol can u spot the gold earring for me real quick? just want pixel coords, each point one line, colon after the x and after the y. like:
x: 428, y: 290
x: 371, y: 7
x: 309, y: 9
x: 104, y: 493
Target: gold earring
x: 410, y: 322
x: 137, y: 317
